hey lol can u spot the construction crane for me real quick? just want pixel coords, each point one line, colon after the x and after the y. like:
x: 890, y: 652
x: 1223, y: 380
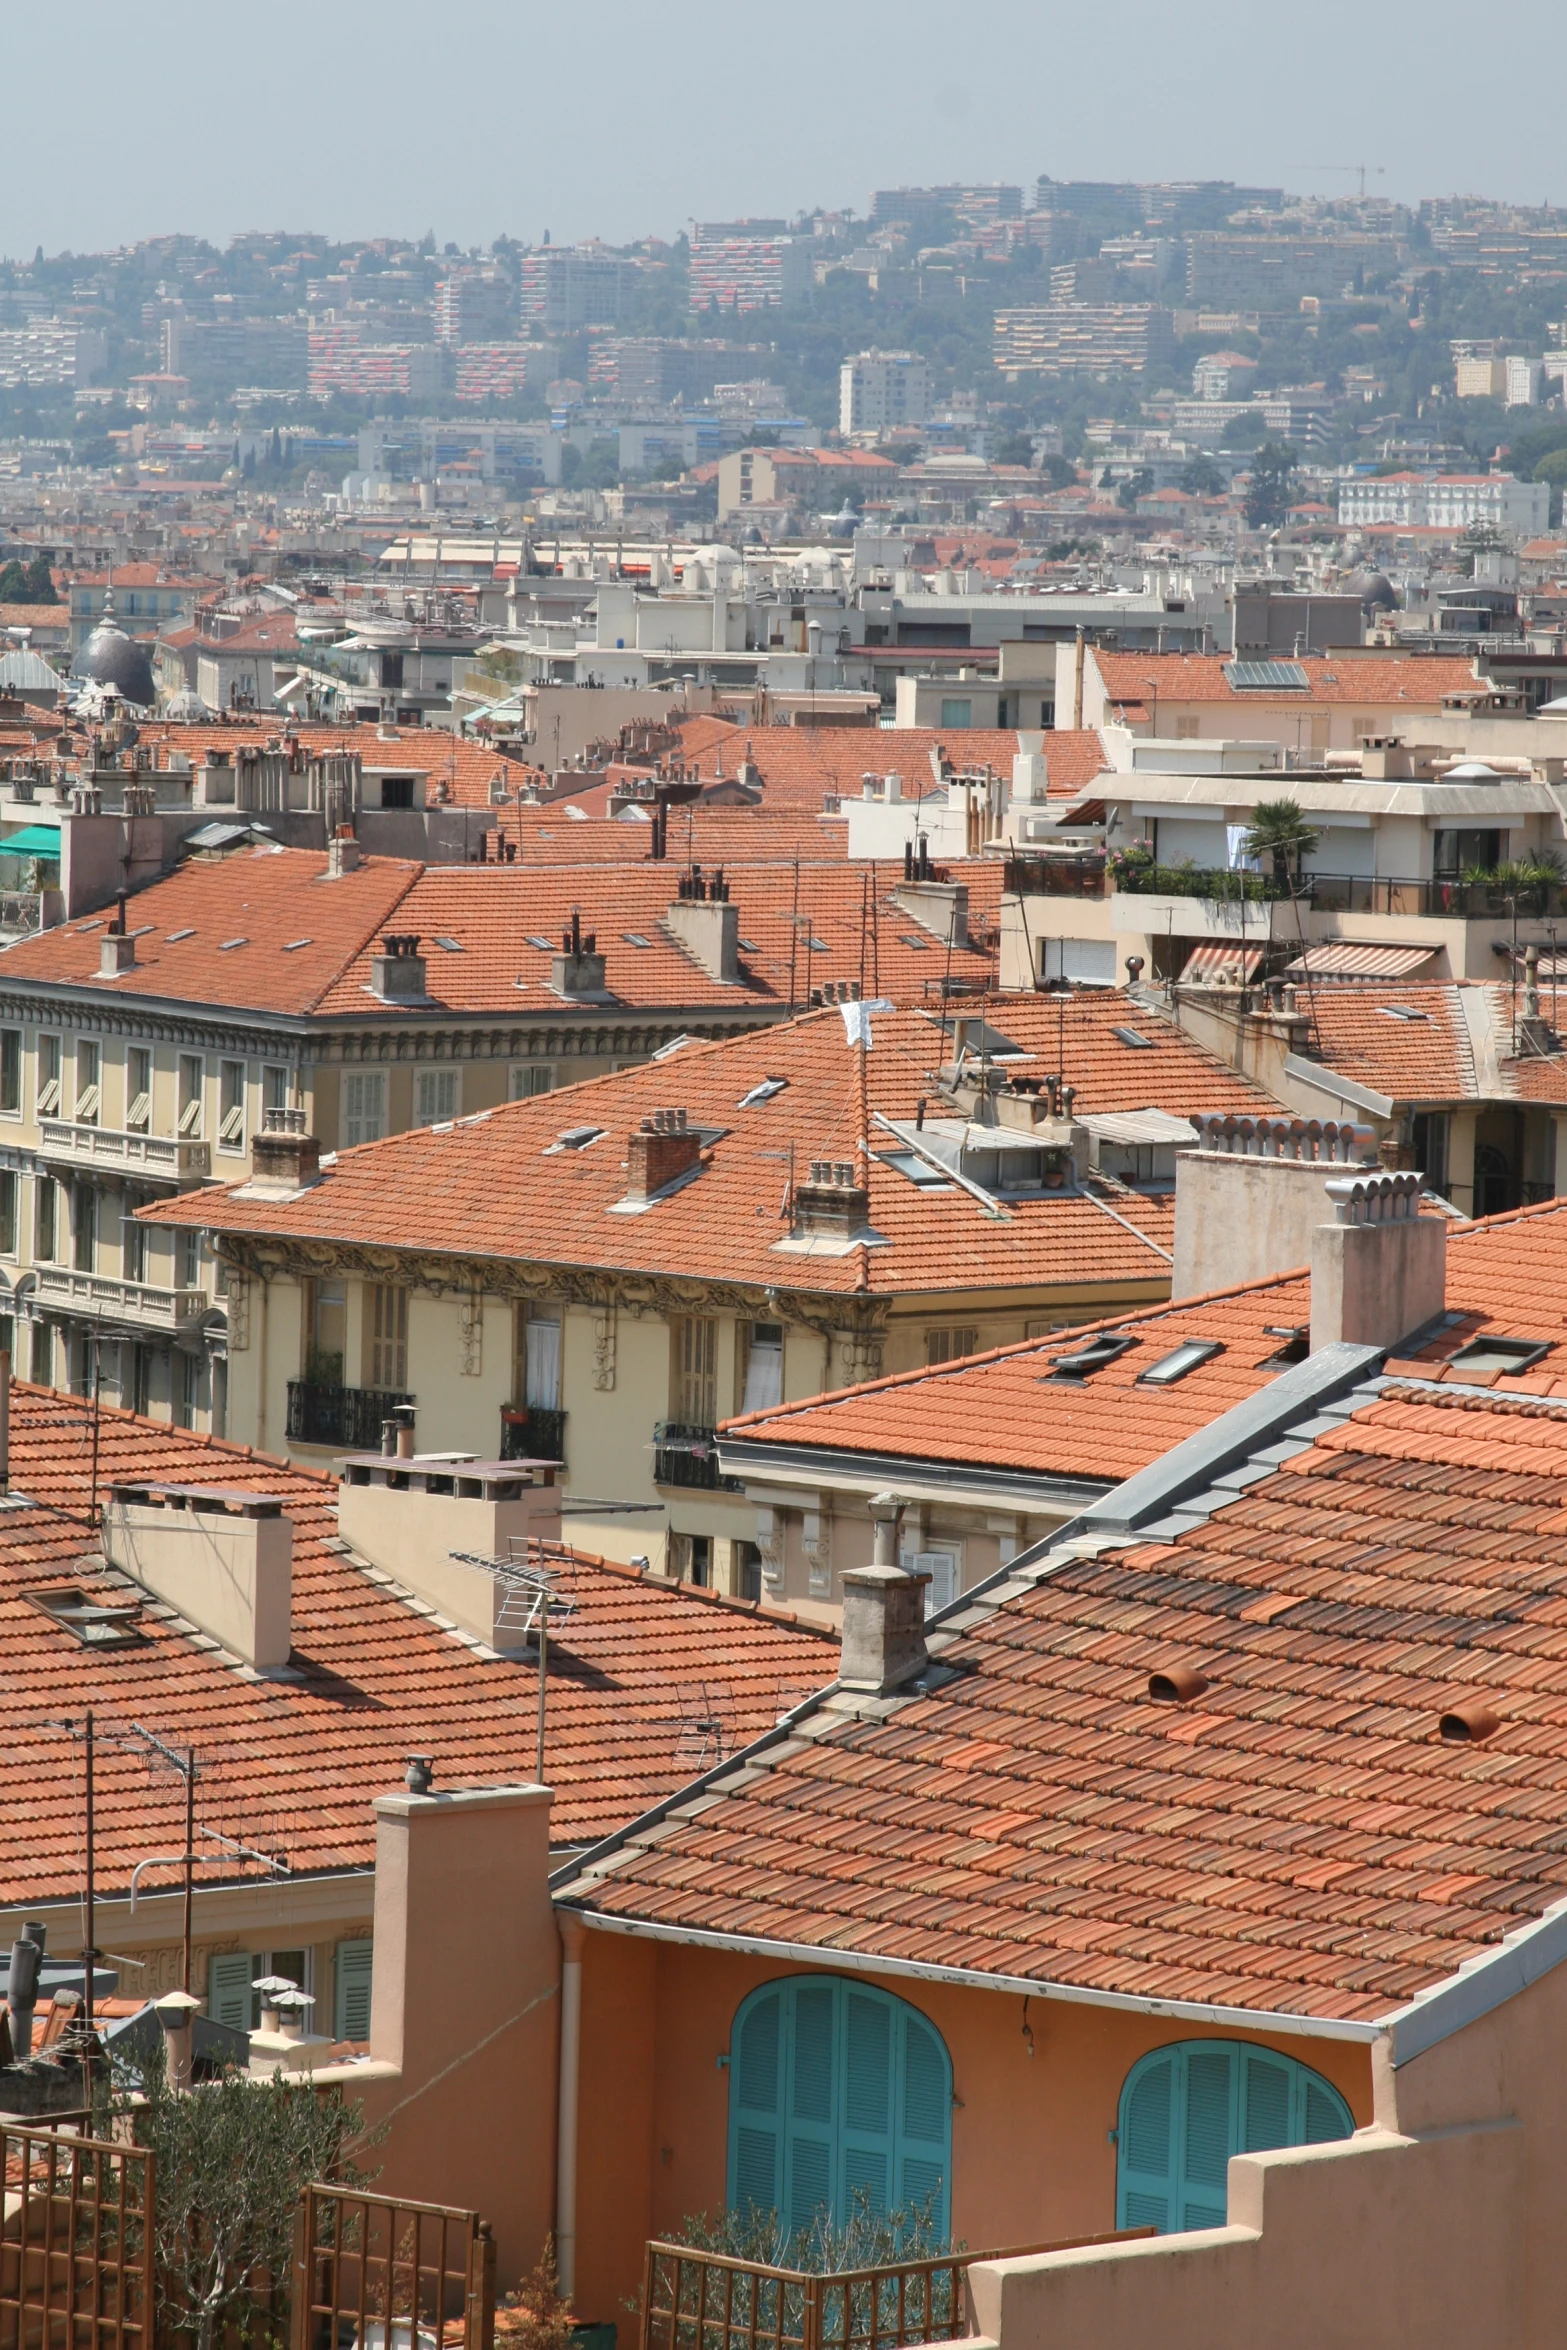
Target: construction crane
x: 1379, y: 169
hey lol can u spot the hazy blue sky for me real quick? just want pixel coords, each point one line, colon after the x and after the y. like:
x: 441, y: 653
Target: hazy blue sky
x: 616, y: 117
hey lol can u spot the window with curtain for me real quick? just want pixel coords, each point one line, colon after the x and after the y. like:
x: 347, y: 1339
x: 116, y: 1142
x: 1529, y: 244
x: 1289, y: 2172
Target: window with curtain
x: 364, y: 1107
x: 837, y: 2092
x: 541, y: 1359
x: 437, y: 1093
x: 389, y: 1338
x: 761, y: 1377
x: 138, y: 1090
x: 695, y: 1370
x: 1185, y: 2110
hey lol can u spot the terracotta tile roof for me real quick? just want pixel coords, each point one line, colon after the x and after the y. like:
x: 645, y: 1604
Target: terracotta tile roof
x: 221, y: 933
x: 495, y: 912
x: 1418, y: 679
x: 292, y: 1766
x: 1367, y: 1033
x: 485, y: 1187
x: 1297, y: 1840
x: 799, y: 764
x: 555, y: 835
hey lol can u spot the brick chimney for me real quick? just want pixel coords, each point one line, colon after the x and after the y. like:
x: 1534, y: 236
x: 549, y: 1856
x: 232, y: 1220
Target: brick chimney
x: 703, y: 921
x: 662, y: 1149
x: 284, y: 1157
x: 578, y: 970
x: 397, y: 973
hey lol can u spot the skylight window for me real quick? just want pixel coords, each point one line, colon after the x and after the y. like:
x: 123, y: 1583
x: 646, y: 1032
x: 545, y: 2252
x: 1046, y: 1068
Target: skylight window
x: 762, y: 1093
x: 226, y: 944
x: 1094, y: 1356
x: 674, y: 1046
x: 175, y: 936
x: 294, y: 944
x: 1296, y: 1346
x: 1500, y: 1354
x: 451, y: 946
x: 1135, y: 1038
x: 920, y: 946
x: 546, y: 945
x: 1267, y: 677
x: 916, y: 1170
x: 1401, y: 1012
x: 575, y: 1138
x: 1180, y: 1360
x: 634, y: 938
x: 95, y: 1624
x: 819, y: 946
x: 746, y: 945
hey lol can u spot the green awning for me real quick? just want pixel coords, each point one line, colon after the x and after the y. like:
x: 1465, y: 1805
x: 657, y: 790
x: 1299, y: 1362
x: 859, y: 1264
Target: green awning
x: 34, y: 840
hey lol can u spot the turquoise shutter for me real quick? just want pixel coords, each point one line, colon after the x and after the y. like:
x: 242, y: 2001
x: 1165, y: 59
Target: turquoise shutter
x: 867, y: 2099
x: 229, y: 1977
x: 1147, y: 2157
x: 1324, y: 2116
x: 1265, y: 2103
x: 1208, y: 2136
x: 351, y: 1991
x: 925, y: 2134
x: 809, y: 2184
x: 755, y: 2122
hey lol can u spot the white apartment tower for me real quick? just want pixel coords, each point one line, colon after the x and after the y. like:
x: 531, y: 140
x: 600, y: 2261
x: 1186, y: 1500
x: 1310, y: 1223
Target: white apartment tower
x: 880, y: 390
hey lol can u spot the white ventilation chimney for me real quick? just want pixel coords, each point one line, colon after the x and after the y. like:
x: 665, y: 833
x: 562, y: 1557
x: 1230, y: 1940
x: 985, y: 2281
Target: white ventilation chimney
x: 223, y: 1557
x: 432, y: 1521
x: 1379, y: 1270
x: 1249, y: 1198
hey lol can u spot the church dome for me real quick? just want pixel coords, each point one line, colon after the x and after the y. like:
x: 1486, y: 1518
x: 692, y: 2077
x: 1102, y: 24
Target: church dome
x: 110, y: 657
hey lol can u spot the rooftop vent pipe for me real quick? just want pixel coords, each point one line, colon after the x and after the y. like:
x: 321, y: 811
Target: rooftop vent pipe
x: 27, y: 1955
x: 1468, y: 1723
x: 1176, y: 1685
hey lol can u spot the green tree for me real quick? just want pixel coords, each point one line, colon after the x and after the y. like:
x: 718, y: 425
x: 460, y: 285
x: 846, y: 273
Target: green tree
x: 1279, y: 831
x: 231, y: 2158
x: 13, y: 585
x: 1272, y: 476
x: 40, y: 582
x: 1201, y: 478
x: 1136, y: 487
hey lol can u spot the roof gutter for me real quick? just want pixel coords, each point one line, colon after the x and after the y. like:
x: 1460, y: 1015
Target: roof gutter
x: 872, y: 1472
x: 1336, y: 1088
x: 1479, y: 1987
x: 817, y: 1954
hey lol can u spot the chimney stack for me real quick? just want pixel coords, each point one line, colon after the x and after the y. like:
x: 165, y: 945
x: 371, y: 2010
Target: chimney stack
x: 222, y: 1557
x: 577, y: 972
x: 117, y: 948
x: 284, y: 1158
x: 883, y: 1612
x: 1250, y: 1197
x: 1379, y: 1270
x: 342, y: 853
x: 435, y: 1521
x: 829, y: 1204
x: 397, y: 973
x: 27, y: 1954
x: 662, y: 1149
x: 703, y: 921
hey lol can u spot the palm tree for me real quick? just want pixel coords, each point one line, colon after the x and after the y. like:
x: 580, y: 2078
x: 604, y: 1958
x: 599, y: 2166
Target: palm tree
x: 1279, y: 832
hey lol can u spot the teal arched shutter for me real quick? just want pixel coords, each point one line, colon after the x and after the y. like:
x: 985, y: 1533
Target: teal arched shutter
x: 1147, y: 2156
x: 838, y: 2094
x: 925, y: 2131
x: 868, y: 2126
x: 755, y: 2123
x: 1185, y: 2110
x: 810, y: 2185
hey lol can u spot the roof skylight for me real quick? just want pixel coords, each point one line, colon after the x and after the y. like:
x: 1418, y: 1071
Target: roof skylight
x: 293, y: 945
x: 1134, y: 1037
x: 762, y: 1093
x: 634, y: 938
x: 1267, y: 677
x: 175, y: 936
x: 451, y: 946
x: 1105, y: 1348
x: 547, y: 945
x: 917, y: 1171
x: 1180, y: 1360
x: 95, y: 1623
x: 226, y: 944
x: 1500, y: 1354
x: 1401, y: 1012
x: 575, y: 1138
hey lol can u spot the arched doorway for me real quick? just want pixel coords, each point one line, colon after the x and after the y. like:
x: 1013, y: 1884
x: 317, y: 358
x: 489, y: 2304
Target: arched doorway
x: 837, y: 2091
x: 1186, y: 2109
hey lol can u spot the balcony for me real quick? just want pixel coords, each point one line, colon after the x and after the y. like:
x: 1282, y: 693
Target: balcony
x: 348, y: 1418
x: 686, y: 1453
x: 1054, y: 877
x: 135, y: 1304
x: 156, y: 1158
x: 1452, y: 899
x: 532, y: 1432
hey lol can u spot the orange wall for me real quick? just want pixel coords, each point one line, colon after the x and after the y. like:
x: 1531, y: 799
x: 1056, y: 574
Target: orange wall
x: 1032, y: 2158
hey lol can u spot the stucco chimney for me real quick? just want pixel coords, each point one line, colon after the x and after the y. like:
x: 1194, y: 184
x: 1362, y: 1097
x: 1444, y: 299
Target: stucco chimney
x: 578, y: 970
x: 703, y: 921
x: 883, y: 1627
x: 397, y: 973
x: 1250, y: 1197
x: 1379, y: 1270
x: 284, y: 1157
x: 342, y: 854
x: 432, y: 1521
x: 223, y: 1557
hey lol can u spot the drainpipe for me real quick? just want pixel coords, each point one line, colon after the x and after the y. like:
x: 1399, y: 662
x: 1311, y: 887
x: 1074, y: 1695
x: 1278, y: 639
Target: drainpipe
x: 573, y: 1933
x: 5, y: 1421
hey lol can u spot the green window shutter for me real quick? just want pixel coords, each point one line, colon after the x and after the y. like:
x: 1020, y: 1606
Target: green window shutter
x: 755, y: 2122
x: 351, y: 1991
x: 1147, y: 2157
x: 867, y: 2097
x: 1185, y: 2110
x: 925, y: 2134
x: 809, y: 2184
x: 229, y: 1977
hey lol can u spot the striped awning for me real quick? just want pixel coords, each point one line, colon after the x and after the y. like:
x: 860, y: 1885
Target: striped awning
x: 1220, y: 965
x: 1341, y: 958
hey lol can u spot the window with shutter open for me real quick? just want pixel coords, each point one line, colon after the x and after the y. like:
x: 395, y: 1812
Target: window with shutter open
x: 838, y: 2094
x: 1185, y: 2110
